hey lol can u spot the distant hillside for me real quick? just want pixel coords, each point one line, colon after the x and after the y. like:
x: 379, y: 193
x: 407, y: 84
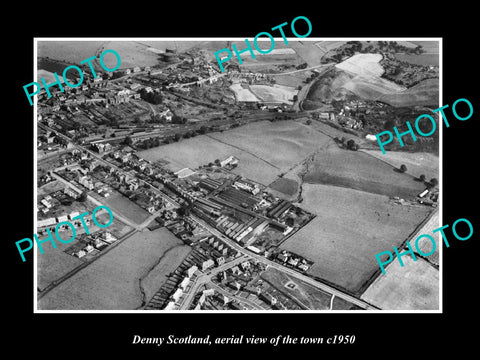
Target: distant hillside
x: 425, y: 93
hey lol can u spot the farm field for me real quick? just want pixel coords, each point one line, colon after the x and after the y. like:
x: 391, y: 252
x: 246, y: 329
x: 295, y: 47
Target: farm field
x: 415, y: 286
x: 326, y: 46
x: 286, y: 186
x: 350, y: 228
x: 274, y: 94
x: 48, y: 188
x: 119, y: 203
x: 424, y: 244
x: 307, y: 51
x: 424, y: 93
x: 417, y: 163
x: 112, y: 281
x: 311, y: 297
x: 351, y: 78
x: 293, y: 80
x: 341, y: 304
x: 264, y: 149
x: 282, y: 143
x: 243, y: 94
x: 422, y: 59
x: 363, y: 64
x: 47, y: 76
x: 360, y: 171
x: 157, y: 275
x: 55, y: 263
x: 203, y: 149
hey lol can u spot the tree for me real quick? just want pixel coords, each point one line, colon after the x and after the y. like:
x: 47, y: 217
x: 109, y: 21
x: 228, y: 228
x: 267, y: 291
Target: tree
x: 308, y: 122
x: 217, y: 162
x: 351, y: 145
x: 422, y: 177
x: 403, y: 168
x: 83, y: 196
x: 389, y: 124
x: 128, y: 141
x: 434, y: 181
x: 177, y: 137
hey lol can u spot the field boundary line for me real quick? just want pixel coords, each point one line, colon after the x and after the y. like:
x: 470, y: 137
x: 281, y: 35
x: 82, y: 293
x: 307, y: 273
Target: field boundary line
x: 72, y: 272
x: 246, y: 151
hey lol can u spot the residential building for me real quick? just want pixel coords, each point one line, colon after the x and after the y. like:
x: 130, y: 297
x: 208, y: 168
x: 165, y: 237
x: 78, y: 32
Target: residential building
x: 207, y: 264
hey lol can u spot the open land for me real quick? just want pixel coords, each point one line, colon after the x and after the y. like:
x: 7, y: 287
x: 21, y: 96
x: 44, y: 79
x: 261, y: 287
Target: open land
x: 417, y: 163
x: 121, y: 204
x: 112, y: 281
x: 360, y: 75
x: 55, y: 263
x: 424, y: 244
x: 265, y: 149
x: 348, y: 191
x: 307, y: 295
x: 274, y: 94
x: 361, y: 171
x: 350, y: 228
x: 411, y: 287
x: 424, y: 93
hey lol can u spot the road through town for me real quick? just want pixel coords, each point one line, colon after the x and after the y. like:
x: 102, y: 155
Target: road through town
x: 289, y: 271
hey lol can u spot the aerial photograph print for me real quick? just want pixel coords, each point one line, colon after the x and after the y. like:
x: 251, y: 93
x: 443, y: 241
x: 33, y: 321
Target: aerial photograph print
x: 182, y: 175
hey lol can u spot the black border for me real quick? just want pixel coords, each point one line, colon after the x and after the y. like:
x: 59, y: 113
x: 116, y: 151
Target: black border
x: 383, y: 334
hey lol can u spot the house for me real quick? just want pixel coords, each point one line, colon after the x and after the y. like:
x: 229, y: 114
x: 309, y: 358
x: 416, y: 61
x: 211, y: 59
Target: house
x: 80, y: 253
x: 62, y: 218
x: 220, y: 260
x: 245, y: 265
x: 293, y: 261
x: 177, y: 294
x: 192, y: 270
x: 88, y: 248
x: 231, y: 160
x: 46, y: 222
x: 303, y: 267
x: 282, y: 258
x: 86, y: 181
x: 184, y: 283
x: 97, y: 243
x: 151, y: 209
x: 207, y: 264
x: 108, y: 237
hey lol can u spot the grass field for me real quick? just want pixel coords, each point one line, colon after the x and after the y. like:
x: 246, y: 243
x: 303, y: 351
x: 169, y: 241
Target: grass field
x: 415, y: 286
x: 341, y: 304
x: 264, y: 149
x: 287, y: 186
x: 243, y: 94
x: 274, y: 94
x: 119, y: 203
x: 308, y: 295
x: 350, y: 228
x: 363, y: 64
x: 55, y: 263
x: 424, y: 244
x: 112, y: 281
x: 423, y: 59
x: 360, y: 171
x: 425, y: 93
x: 417, y: 163
x: 156, y: 276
